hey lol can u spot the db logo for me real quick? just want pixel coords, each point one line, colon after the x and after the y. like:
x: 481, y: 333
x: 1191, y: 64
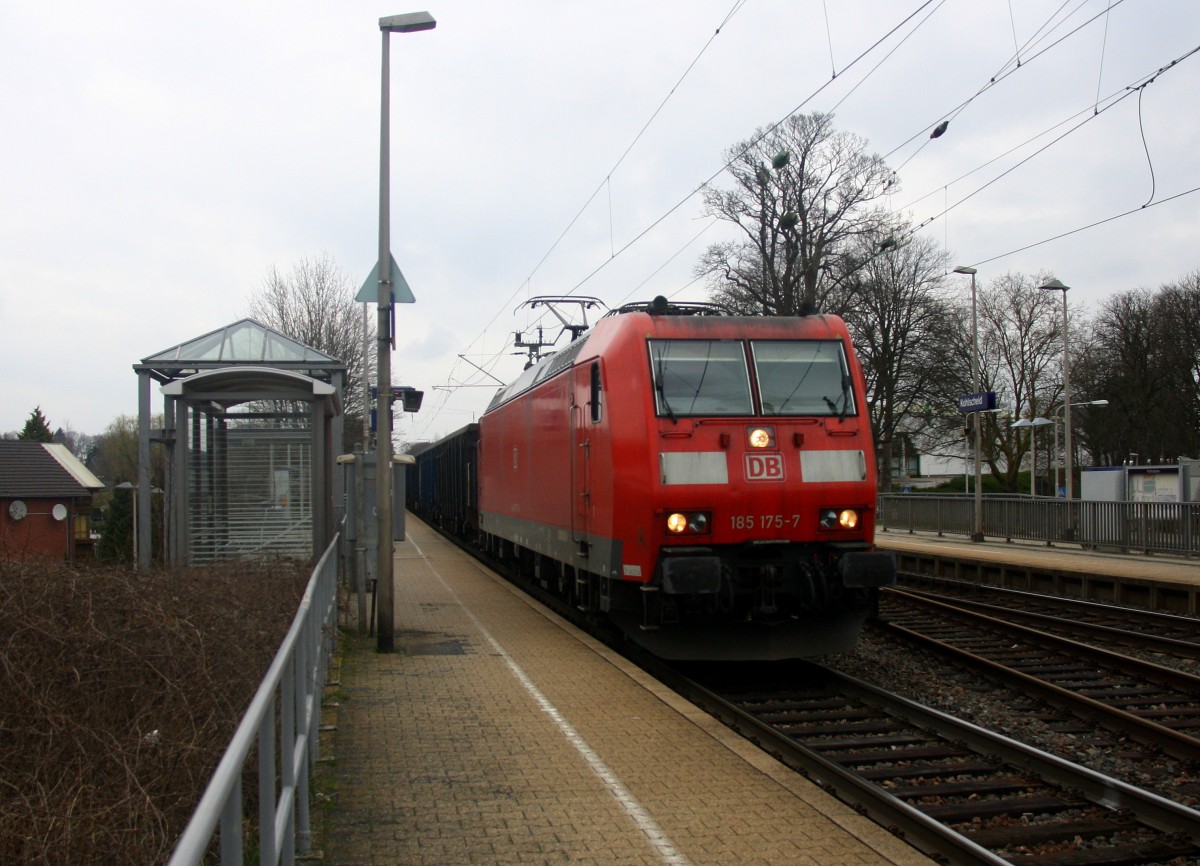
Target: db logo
x: 764, y: 467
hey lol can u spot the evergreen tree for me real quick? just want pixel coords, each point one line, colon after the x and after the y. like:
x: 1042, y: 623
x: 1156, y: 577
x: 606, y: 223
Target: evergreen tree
x: 37, y: 428
x: 116, y: 541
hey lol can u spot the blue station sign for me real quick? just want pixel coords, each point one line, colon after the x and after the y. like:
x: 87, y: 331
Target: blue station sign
x: 985, y: 402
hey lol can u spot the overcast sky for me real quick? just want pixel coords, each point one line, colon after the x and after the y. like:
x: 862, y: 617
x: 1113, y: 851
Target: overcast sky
x: 158, y: 159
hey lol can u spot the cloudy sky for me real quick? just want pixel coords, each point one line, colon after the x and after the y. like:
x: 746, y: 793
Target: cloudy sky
x: 157, y: 160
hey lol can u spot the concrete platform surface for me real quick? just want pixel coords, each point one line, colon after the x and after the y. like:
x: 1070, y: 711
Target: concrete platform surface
x: 1063, y: 557
x: 498, y: 734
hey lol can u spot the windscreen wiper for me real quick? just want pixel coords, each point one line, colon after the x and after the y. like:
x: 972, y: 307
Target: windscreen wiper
x: 658, y: 386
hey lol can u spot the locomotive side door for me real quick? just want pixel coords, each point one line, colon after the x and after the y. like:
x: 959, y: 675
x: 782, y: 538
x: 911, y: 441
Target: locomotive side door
x: 585, y: 403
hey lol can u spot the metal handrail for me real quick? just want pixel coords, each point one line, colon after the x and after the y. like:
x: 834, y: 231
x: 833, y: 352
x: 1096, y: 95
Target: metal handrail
x: 1145, y: 527
x: 296, y: 679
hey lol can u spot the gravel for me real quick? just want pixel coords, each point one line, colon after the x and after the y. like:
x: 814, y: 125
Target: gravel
x: 924, y: 677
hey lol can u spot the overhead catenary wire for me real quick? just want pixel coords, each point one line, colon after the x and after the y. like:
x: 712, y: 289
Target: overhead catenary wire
x: 1033, y: 49
x: 615, y: 253
x: 1010, y: 66
x: 1084, y: 228
x: 1137, y: 87
x: 606, y: 182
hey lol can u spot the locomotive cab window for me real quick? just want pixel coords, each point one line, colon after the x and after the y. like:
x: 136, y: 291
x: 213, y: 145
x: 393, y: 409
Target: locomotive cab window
x: 594, y: 402
x: 803, y: 378
x: 700, y: 377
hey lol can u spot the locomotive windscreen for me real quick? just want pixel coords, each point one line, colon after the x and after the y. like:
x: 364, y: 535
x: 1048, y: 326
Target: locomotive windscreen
x: 803, y: 378
x: 711, y: 377
x: 700, y: 377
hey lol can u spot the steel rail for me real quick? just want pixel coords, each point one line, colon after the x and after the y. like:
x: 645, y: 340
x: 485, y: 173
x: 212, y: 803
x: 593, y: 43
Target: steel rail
x: 1176, y: 743
x: 1187, y: 649
x: 902, y: 819
x: 1180, y: 647
x: 909, y: 822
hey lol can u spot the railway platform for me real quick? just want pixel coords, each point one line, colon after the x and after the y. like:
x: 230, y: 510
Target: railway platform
x: 499, y: 734
x: 1162, y: 582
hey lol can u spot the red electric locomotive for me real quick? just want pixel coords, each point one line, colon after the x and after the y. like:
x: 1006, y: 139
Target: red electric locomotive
x: 705, y: 481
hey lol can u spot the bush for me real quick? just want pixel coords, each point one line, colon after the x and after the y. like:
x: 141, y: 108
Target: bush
x: 118, y: 695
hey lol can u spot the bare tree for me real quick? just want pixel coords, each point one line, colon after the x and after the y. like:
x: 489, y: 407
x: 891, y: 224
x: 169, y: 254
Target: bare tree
x: 315, y: 305
x: 901, y: 321
x: 1146, y: 363
x: 1021, y: 360
x: 803, y: 192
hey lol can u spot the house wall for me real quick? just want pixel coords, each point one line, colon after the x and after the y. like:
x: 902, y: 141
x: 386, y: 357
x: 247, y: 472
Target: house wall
x: 38, y: 534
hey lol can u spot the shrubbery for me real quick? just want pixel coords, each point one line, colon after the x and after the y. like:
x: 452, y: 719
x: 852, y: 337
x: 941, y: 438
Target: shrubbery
x: 118, y: 695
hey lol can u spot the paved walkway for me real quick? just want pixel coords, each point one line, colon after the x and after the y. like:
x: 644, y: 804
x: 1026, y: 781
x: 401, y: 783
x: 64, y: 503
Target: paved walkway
x: 497, y: 734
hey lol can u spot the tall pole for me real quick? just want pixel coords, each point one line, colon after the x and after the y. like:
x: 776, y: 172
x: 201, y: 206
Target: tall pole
x: 1068, y: 457
x: 1032, y: 458
x: 977, y: 534
x: 385, y: 588
x: 386, y: 635
x: 1056, y: 460
x: 1057, y: 286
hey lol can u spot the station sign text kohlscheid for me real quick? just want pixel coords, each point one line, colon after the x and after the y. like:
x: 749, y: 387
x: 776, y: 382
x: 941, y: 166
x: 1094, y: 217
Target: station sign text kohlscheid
x: 985, y: 402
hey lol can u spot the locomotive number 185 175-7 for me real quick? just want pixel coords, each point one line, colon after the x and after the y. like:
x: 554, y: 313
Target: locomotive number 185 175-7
x: 764, y: 521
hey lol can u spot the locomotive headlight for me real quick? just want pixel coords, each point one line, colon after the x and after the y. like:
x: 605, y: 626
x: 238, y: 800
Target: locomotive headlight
x: 761, y: 437
x: 839, y: 518
x: 690, y: 523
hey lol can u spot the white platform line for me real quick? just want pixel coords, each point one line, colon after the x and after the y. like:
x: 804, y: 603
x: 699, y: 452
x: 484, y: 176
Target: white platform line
x: 658, y: 839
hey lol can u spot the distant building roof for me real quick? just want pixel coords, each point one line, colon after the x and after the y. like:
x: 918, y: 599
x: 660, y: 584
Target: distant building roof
x: 41, y: 469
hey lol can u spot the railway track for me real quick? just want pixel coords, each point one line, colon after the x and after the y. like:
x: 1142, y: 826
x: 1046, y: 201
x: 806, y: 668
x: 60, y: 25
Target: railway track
x: 957, y: 791
x: 1152, y: 704
x: 1170, y: 635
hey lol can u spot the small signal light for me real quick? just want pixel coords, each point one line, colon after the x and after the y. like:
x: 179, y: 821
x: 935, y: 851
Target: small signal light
x: 761, y: 437
x: 690, y: 523
x: 839, y: 518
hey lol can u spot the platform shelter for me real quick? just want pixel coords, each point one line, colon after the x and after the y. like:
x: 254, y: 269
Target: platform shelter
x: 251, y: 428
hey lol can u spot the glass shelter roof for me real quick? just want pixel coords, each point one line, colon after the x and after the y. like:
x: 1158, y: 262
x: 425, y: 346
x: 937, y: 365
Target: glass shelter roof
x: 239, y: 343
x: 243, y: 342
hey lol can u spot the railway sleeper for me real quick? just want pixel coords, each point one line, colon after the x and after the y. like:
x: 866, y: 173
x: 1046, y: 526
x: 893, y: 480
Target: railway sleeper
x: 933, y: 752
x: 1041, y: 834
x: 951, y: 813
x: 964, y: 788
x: 1135, y: 851
x: 926, y: 770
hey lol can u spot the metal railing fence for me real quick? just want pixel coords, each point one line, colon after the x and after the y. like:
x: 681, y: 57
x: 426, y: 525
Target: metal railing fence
x: 1145, y: 527
x: 294, y: 682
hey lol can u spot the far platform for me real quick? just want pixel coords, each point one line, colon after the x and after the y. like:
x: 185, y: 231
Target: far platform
x: 1160, y: 582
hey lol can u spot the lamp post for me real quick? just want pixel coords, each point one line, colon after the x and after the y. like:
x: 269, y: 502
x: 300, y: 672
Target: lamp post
x: 1067, y: 412
x: 1033, y: 424
x: 1056, y: 286
x: 410, y: 22
x: 977, y: 535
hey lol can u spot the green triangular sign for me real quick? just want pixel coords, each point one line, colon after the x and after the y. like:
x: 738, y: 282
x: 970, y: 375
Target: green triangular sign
x: 401, y: 293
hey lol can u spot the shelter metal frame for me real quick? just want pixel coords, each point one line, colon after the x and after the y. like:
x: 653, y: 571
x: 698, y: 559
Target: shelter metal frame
x: 226, y: 392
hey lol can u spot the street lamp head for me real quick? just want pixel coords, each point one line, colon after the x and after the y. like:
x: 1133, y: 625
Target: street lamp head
x: 1054, y: 286
x: 965, y: 269
x: 409, y: 22
x: 1098, y: 403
